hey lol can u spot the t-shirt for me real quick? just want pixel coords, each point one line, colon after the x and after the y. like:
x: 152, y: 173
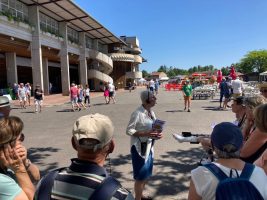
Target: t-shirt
x: 206, y: 183
x: 9, y: 189
x: 111, y: 88
x: 237, y: 86
x: 73, y: 91
x: 187, y: 90
x: 22, y: 92
x: 224, y: 89
x: 87, y: 92
x: 38, y: 94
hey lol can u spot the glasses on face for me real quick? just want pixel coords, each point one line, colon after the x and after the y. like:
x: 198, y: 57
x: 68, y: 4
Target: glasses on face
x: 263, y: 90
x: 12, y: 142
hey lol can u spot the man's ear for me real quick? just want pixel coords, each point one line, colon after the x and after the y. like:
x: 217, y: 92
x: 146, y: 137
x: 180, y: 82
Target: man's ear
x: 74, y: 145
x: 111, y: 146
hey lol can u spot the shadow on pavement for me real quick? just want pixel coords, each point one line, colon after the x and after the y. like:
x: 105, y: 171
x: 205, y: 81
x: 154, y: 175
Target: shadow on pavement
x: 172, y: 111
x: 65, y: 110
x: 212, y: 108
x: 172, y: 174
x: 39, y: 155
x: 99, y: 104
x: 31, y: 112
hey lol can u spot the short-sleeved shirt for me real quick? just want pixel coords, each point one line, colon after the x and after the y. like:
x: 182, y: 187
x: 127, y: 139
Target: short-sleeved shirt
x: 187, y: 90
x: 73, y: 92
x: 206, y: 183
x: 22, y: 92
x: 224, y: 89
x: 38, y: 94
x: 67, y: 185
x: 9, y: 189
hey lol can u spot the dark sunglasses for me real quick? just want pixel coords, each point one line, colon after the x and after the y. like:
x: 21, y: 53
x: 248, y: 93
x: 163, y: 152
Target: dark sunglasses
x: 12, y: 142
x: 263, y: 91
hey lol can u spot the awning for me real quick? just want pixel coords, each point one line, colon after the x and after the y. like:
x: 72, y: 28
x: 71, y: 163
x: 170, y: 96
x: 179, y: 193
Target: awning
x: 78, y: 19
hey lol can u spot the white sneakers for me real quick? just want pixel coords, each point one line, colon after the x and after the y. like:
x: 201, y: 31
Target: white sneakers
x: 181, y: 138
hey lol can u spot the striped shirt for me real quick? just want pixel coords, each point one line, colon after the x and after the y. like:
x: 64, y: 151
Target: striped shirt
x: 79, y: 181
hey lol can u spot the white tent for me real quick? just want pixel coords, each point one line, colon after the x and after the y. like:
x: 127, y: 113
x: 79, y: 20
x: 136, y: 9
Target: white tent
x: 263, y: 76
x: 142, y: 80
x: 164, y: 79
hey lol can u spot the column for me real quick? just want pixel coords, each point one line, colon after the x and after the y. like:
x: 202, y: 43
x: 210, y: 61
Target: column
x: 83, y: 61
x: 36, y: 50
x: 64, y: 60
x: 11, y: 66
x: 46, y: 76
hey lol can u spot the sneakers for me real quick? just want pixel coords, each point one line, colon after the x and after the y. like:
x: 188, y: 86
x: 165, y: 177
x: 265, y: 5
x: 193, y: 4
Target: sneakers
x: 188, y: 110
x: 181, y: 139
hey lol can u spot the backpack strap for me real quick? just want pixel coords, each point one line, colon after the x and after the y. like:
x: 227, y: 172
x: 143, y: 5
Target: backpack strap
x: 247, y: 171
x: 107, y: 189
x: 46, y: 185
x: 216, y: 171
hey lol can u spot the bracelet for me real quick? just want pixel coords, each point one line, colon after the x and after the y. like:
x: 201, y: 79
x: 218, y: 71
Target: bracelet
x: 27, y: 164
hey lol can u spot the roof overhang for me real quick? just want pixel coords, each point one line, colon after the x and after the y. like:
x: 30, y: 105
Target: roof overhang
x: 77, y: 18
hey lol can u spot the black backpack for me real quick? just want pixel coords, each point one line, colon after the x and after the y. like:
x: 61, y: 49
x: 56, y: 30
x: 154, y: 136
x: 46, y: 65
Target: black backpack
x: 239, y: 188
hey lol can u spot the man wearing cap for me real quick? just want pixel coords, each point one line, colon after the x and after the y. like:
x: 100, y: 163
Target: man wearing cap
x: 38, y: 99
x: 86, y: 178
x: 227, y: 140
x: 263, y: 89
x: 4, y: 106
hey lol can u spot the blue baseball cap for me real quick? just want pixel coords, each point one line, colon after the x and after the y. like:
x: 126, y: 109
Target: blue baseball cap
x: 227, y: 133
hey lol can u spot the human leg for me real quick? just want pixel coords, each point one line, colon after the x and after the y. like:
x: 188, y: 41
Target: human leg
x: 189, y: 103
x: 138, y: 189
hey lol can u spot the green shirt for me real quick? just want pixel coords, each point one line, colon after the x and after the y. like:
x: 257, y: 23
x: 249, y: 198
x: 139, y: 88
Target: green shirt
x: 187, y: 89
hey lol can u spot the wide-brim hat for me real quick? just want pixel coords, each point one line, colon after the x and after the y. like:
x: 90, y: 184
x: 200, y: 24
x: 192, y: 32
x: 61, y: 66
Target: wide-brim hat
x: 4, y: 101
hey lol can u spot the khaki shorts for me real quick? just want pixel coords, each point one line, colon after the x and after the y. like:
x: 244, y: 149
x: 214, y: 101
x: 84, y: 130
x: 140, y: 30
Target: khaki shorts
x: 187, y: 97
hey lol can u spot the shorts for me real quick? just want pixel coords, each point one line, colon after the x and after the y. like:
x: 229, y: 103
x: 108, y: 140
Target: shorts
x: 187, y: 97
x: 22, y: 99
x: 235, y: 95
x: 38, y: 102
x: 111, y: 94
x: 141, y: 170
x: 80, y: 100
x: 74, y: 100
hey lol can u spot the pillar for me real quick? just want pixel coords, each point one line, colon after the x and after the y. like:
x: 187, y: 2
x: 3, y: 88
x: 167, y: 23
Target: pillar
x: 11, y: 66
x: 46, y: 76
x: 82, y: 61
x: 36, y: 50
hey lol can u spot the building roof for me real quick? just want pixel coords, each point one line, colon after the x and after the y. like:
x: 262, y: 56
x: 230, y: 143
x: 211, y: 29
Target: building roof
x: 158, y: 73
x: 78, y: 19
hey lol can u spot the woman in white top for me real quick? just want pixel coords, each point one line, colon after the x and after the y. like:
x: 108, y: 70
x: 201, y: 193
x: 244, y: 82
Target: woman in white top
x: 140, y: 128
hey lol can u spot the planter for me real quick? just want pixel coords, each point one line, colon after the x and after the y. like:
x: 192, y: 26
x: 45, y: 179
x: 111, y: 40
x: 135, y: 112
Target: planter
x: 3, y: 18
x: 23, y: 25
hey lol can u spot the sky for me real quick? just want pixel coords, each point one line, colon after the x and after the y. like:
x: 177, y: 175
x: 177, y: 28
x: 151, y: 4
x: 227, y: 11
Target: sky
x: 186, y: 33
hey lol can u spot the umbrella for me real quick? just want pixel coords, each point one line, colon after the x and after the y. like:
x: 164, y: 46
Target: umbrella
x: 219, y: 76
x: 233, y: 73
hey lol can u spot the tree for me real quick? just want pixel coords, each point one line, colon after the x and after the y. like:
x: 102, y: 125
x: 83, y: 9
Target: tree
x: 163, y: 68
x: 254, y: 61
x: 225, y: 71
x: 145, y: 73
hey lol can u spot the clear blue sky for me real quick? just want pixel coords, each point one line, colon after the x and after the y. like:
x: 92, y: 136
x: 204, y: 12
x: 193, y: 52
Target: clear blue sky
x: 186, y: 33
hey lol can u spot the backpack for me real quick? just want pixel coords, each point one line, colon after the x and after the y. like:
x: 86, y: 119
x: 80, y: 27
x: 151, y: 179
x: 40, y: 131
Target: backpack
x: 104, y: 191
x: 239, y: 188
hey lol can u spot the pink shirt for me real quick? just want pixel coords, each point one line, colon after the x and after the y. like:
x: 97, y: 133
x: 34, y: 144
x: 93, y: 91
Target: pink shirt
x: 73, y: 92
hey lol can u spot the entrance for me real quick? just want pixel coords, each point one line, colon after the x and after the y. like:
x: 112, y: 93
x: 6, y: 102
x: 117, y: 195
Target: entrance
x: 24, y: 74
x: 55, y: 80
x: 3, y: 74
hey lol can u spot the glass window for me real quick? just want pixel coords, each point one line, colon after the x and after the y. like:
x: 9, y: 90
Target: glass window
x: 73, y: 36
x: 89, y: 42
x: 15, y: 8
x: 48, y: 24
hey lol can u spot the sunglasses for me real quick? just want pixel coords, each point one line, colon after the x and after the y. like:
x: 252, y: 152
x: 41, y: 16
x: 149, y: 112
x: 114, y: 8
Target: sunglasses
x: 263, y: 91
x: 12, y: 142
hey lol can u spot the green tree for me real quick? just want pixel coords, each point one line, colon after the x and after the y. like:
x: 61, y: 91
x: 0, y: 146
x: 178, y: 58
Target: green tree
x: 225, y: 71
x: 145, y: 73
x: 163, y: 68
x: 254, y: 61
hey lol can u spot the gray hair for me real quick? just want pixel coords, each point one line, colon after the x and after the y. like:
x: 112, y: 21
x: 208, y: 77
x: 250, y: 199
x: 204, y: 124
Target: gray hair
x: 145, y: 95
x: 229, y: 153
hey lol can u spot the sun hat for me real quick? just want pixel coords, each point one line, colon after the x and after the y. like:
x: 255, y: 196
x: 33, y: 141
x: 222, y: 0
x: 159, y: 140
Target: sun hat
x: 94, y: 126
x: 239, y: 100
x: 225, y: 134
x: 4, y: 101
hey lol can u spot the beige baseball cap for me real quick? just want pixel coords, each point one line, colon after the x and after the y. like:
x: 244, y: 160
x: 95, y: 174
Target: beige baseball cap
x: 93, y: 126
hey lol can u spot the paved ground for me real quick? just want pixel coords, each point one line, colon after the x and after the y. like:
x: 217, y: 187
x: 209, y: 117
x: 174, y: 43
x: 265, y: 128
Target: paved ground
x: 48, y: 138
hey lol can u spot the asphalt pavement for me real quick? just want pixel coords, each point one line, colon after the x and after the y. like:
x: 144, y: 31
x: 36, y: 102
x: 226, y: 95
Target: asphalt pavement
x: 48, y: 138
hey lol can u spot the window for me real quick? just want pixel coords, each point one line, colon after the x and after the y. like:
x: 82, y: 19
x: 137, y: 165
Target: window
x: 73, y: 36
x: 89, y: 42
x: 48, y: 24
x: 15, y: 9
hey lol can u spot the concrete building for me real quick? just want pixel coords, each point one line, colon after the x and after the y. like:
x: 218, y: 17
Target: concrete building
x: 55, y: 42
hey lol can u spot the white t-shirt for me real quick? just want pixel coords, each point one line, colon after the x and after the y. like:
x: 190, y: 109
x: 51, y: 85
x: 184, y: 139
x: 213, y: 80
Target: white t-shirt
x: 87, y: 91
x: 111, y: 87
x: 237, y: 86
x: 206, y: 183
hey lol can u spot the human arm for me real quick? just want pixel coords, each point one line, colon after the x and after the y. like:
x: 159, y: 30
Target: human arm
x: 31, y: 168
x: 10, y: 159
x: 255, y: 141
x: 192, y: 195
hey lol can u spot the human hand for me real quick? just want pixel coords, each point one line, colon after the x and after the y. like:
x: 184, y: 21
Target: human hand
x: 205, y: 142
x: 11, y: 159
x: 22, y: 152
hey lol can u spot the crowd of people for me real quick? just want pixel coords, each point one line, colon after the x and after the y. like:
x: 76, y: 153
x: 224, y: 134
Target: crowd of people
x: 240, y: 149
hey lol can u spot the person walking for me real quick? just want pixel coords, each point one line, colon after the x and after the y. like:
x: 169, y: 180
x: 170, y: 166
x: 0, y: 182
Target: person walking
x: 38, y: 99
x: 187, y: 92
x: 87, y: 95
x: 74, y: 97
x: 106, y: 93
x: 81, y: 96
x: 111, y: 89
x: 143, y: 136
x: 28, y: 90
x: 22, y: 95
x: 86, y: 177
